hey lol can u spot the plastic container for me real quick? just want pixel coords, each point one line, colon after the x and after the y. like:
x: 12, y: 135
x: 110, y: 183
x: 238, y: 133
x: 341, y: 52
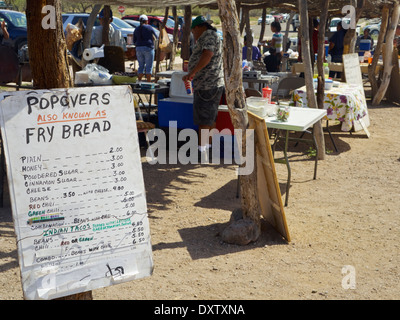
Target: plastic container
x: 326, y: 70
x: 267, y: 94
x: 328, y: 84
x: 257, y: 106
x: 177, y: 87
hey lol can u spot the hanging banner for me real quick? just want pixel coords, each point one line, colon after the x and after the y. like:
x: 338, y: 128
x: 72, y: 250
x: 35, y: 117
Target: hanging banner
x: 76, y: 188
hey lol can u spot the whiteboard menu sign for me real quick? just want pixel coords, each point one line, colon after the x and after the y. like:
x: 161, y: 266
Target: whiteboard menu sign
x: 76, y: 187
x: 352, y: 70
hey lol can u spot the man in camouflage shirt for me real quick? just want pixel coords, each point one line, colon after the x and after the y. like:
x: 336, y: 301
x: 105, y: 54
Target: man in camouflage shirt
x: 206, y: 70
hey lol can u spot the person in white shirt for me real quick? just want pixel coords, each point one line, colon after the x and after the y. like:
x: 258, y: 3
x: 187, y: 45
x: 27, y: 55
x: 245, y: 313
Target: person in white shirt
x: 115, y: 36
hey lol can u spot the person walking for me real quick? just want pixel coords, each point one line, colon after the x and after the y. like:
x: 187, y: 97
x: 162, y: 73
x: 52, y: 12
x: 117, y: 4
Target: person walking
x: 143, y: 38
x: 206, y: 70
x: 336, y: 47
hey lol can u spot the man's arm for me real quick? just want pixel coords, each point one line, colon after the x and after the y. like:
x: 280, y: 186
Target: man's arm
x: 5, y: 32
x: 204, y: 60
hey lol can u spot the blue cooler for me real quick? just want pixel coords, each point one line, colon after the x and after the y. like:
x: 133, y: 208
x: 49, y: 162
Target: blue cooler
x: 365, y: 45
x: 178, y: 107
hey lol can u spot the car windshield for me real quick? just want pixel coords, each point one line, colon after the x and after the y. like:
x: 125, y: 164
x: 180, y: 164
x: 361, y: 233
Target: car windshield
x: 334, y: 23
x: 121, y: 23
x: 17, y: 19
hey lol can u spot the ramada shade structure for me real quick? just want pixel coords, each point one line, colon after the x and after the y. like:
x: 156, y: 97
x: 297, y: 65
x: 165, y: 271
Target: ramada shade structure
x: 373, y: 8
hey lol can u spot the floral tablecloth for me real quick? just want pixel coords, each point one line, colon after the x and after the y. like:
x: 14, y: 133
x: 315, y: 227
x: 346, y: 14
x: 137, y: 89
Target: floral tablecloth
x: 345, y: 103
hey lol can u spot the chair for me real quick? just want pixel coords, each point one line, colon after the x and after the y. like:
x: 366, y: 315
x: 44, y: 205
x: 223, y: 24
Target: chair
x: 114, y: 59
x: 287, y: 85
x: 143, y: 126
x: 251, y: 92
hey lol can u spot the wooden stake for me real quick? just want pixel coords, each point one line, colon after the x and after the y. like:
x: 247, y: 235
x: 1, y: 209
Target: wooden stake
x: 308, y: 75
x: 387, y: 59
x: 378, y: 49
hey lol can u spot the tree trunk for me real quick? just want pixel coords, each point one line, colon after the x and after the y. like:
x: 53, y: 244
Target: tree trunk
x: 312, y: 103
x: 388, y: 61
x: 237, y: 105
x: 47, y: 48
x: 378, y: 49
x: 47, y: 55
x: 185, y: 46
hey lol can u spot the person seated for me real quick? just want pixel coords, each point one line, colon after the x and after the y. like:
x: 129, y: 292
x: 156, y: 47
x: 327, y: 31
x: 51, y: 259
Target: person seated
x: 272, y: 61
x: 365, y: 36
x: 256, y: 54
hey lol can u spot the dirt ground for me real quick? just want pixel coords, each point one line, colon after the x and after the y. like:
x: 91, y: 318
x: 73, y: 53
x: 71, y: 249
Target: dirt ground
x: 348, y: 216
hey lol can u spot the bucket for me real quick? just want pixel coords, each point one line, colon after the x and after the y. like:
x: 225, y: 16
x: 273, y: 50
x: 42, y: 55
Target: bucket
x: 365, y: 45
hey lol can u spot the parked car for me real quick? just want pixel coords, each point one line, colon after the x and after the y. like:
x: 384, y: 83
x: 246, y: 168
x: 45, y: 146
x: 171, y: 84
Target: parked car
x: 155, y: 21
x: 345, y: 23
x: 16, y: 26
x: 374, y: 29
x: 278, y: 17
x: 136, y: 24
x: 117, y: 23
x: 295, y: 22
x: 268, y: 19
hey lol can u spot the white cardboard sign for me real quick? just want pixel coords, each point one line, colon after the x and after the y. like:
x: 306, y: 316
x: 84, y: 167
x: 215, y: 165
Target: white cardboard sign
x: 76, y: 188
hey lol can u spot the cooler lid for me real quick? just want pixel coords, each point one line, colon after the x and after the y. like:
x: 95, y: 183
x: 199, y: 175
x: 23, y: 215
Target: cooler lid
x: 177, y: 87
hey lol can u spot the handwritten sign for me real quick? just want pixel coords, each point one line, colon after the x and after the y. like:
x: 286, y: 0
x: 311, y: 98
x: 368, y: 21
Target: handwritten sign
x: 352, y: 70
x: 76, y: 188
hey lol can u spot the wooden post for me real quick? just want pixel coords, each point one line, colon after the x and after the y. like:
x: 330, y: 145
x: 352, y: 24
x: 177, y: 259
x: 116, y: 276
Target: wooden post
x: 245, y: 14
x: 351, y: 36
x: 305, y: 49
x: 105, y: 39
x: 88, y: 31
x: 237, y: 107
x: 378, y: 49
x: 175, y: 43
x: 321, y: 55
x: 262, y: 32
x: 158, y: 53
x: 249, y: 37
x: 185, y: 46
x: 387, y: 59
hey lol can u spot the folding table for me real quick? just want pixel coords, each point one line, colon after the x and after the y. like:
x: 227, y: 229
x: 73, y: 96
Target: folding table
x: 300, y: 119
